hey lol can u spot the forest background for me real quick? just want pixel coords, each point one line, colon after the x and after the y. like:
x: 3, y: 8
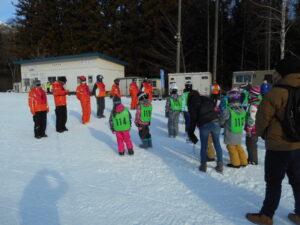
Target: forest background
x: 143, y: 33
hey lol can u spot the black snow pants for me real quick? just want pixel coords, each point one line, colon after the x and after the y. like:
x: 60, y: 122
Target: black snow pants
x: 40, y: 122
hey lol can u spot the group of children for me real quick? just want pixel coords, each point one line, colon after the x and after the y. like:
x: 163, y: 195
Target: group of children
x: 234, y: 116
x: 120, y: 123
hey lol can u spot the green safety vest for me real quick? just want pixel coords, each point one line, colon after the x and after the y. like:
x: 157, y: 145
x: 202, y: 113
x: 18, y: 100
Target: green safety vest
x: 246, y: 100
x: 176, y: 104
x: 146, y: 112
x: 121, y: 121
x: 184, y: 103
x: 237, y: 121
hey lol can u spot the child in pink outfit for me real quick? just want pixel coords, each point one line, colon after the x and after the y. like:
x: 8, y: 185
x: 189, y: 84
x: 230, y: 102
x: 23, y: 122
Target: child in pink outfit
x: 120, y: 124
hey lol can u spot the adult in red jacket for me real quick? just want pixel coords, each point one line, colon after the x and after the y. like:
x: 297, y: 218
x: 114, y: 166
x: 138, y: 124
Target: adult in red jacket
x: 83, y: 94
x: 37, y: 101
x: 60, y: 99
x: 99, y: 92
x: 115, y: 89
x: 133, y: 90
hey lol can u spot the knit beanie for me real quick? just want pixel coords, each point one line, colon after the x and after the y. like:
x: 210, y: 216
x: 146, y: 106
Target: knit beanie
x: 290, y: 64
x: 255, y: 91
x: 116, y: 100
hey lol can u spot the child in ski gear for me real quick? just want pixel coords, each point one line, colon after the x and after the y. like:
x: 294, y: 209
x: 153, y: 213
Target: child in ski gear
x: 203, y: 115
x: 186, y: 115
x: 251, y: 137
x: 100, y: 93
x: 37, y: 101
x: 233, y: 120
x: 143, y: 119
x: 120, y: 124
x: 60, y: 99
x: 83, y: 95
x: 282, y: 155
x: 173, y: 108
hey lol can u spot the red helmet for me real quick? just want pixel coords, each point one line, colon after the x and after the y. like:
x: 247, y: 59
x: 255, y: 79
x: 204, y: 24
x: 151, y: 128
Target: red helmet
x: 82, y: 78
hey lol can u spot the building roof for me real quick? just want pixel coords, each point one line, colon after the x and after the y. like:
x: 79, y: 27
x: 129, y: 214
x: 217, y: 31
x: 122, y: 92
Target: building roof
x: 100, y: 55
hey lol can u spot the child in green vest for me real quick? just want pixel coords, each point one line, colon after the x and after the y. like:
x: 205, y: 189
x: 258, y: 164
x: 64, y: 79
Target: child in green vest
x: 143, y: 119
x: 120, y: 124
x: 233, y: 120
x: 173, y: 108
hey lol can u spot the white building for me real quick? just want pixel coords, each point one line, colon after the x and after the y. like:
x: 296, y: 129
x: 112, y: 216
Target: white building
x: 72, y: 67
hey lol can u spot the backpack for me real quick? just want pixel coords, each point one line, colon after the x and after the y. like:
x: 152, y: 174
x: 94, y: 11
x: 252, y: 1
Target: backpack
x: 291, y: 121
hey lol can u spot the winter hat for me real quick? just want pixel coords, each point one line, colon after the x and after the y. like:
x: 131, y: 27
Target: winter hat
x: 290, y: 64
x: 255, y: 91
x: 62, y: 79
x: 142, y: 96
x: 233, y: 95
x: 99, y: 77
x: 117, y: 81
x: 174, y: 86
x: 117, y: 100
x: 37, y: 83
x: 82, y: 78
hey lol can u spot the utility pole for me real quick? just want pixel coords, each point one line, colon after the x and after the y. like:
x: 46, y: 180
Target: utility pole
x: 216, y: 41
x: 178, y: 38
x: 208, y: 37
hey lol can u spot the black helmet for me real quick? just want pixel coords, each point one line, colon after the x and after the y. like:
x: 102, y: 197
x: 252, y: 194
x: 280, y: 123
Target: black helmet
x: 117, y: 81
x: 188, y: 85
x: 142, y: 96
x: 99, y: 78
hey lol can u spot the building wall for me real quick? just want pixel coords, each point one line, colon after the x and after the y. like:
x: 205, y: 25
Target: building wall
x: 72, y: 69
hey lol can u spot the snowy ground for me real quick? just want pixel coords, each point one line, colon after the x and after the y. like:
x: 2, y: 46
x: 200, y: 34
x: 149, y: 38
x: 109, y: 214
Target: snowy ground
x: 77, y: 177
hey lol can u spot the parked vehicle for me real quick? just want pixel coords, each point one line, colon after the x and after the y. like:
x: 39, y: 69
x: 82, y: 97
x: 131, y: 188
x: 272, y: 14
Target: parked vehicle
x: 201, y: 81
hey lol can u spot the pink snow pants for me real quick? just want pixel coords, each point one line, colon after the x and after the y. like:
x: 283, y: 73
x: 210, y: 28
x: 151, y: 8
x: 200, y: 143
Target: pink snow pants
x: 124, y: 136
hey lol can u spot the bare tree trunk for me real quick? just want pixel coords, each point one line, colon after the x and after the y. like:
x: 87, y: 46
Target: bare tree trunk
x: 243, y: 41
x: 216, y: 41
x: 178, y: 36
x: 208, y: 41
x: 269, y: 36
x: 283, y: 31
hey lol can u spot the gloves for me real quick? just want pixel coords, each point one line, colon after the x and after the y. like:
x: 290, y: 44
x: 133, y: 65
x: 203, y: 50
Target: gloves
x: 193, y: 138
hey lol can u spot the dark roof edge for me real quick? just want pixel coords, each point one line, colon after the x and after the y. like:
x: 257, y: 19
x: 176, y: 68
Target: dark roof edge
x: 100, y: 55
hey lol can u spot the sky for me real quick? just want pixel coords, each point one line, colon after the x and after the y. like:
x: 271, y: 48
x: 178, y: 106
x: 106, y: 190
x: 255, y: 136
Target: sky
x: 7, y: 10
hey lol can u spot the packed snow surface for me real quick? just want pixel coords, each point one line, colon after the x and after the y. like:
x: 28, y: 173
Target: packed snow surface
x: 78, y: 178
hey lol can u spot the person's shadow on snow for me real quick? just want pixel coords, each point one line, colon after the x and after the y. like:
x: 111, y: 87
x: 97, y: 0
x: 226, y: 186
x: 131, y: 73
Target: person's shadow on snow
x: 104, y: 137
x: 38, y: 205
x: 75, y: 114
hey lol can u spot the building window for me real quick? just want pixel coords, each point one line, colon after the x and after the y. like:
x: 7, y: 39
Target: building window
x: 154, y: 83
x: 51, y: 79
x: 188, y: 78
x: 205, y: 78
x: 243, y: 78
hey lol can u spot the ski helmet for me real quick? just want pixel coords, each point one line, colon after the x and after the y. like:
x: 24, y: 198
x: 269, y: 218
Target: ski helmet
x: 233, y: 95
x: 99, y: 77
x: 82, y: 78
x: 117, y: 81
x: 143, y: 96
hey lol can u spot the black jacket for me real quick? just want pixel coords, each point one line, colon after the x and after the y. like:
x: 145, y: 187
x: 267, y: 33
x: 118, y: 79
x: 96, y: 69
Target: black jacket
x: 201, y: 110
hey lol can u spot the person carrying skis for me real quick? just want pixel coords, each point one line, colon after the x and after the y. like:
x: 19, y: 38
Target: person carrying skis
x: 133, y: 90
x: 251, y: 137
x: 143, y: 120
x: 83, y: 95
x: 99, y: 92
x: 37, y: 101
x: 233, y: 120
x: 60, y: 99
x: 115, y: 89
x: 173, y: 109
x: 120, y: 124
